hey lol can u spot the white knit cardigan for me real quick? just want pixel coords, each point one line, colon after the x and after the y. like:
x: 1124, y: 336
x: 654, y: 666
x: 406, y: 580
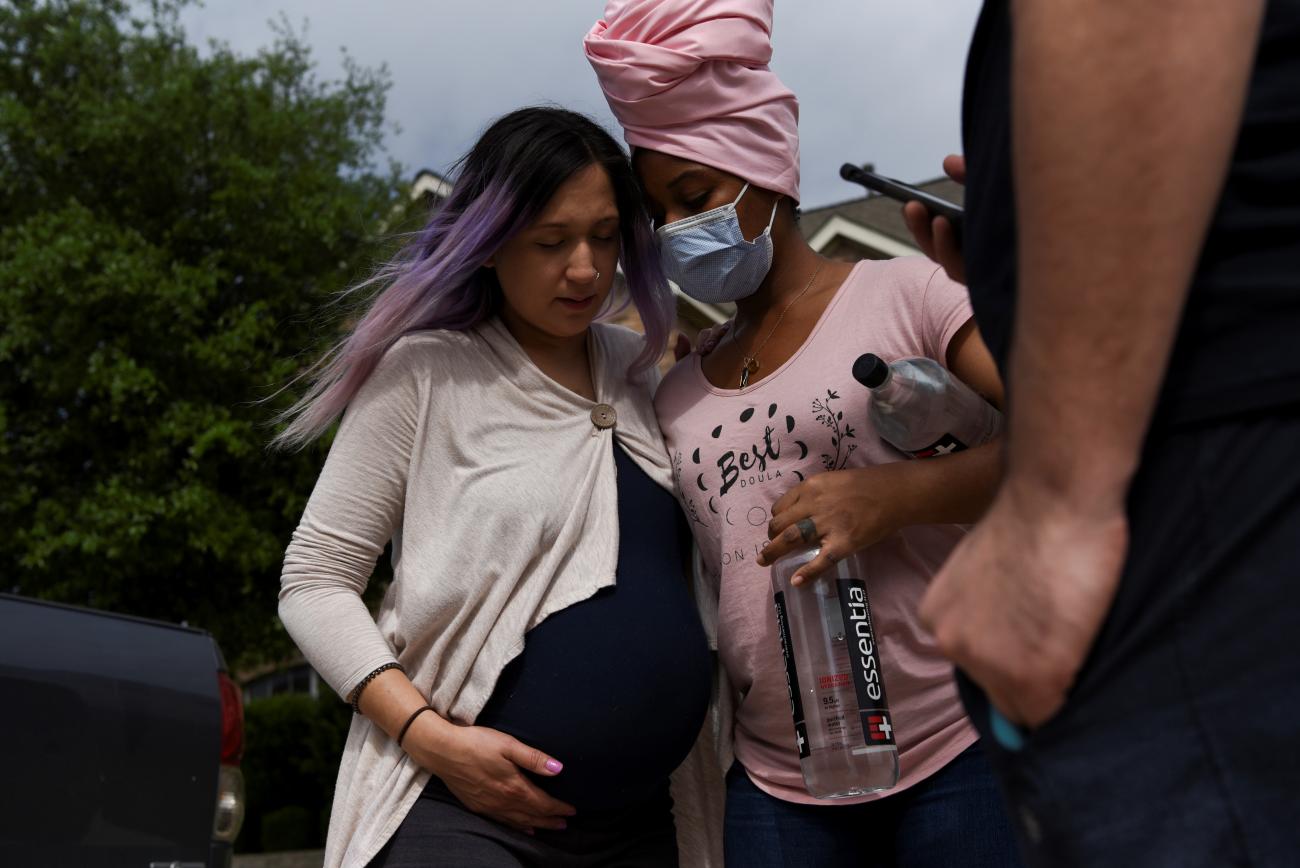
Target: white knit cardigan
x: 499, y: 495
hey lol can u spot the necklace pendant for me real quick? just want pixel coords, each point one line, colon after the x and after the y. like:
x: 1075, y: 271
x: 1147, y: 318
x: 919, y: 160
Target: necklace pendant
x: 750, y: 364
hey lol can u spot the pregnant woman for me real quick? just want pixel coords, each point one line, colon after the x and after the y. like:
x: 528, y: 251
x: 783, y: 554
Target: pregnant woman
x: 537, y: 668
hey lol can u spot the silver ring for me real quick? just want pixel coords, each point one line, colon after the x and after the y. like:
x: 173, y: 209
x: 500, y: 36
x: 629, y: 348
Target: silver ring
x: 598, y: 275
x: 807, y: 530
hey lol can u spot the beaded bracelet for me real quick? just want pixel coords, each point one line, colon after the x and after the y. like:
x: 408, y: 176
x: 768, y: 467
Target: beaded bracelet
x: 356, y: 691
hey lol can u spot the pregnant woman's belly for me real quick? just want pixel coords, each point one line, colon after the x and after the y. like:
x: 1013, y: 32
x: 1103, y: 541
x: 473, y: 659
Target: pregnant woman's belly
x: 615, y: 687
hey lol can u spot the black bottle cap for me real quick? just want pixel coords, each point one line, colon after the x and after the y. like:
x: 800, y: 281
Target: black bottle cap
x: 870, y: 370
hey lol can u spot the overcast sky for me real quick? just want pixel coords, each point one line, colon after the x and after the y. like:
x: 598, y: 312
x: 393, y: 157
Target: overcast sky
x: 877, y: 80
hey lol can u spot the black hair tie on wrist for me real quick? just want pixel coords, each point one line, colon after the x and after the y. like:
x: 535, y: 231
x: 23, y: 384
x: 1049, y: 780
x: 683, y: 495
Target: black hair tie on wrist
x: 410, y: 720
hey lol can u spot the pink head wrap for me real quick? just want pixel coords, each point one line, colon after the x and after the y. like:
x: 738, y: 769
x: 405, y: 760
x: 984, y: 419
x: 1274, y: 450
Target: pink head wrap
x: 690, y: 78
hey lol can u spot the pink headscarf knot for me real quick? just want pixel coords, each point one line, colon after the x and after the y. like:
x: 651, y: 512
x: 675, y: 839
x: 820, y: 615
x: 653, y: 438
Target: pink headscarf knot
x: 690, y: 78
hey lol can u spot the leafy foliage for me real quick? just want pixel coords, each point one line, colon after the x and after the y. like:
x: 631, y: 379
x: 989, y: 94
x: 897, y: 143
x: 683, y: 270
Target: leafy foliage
x: 294, y: 746
x: 171, y: 224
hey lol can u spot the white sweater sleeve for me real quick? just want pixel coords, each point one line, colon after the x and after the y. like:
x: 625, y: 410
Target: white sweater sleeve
x: 353, y: 512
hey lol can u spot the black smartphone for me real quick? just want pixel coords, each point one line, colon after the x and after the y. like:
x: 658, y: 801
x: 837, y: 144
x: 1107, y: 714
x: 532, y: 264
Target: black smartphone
x: 903, y: 193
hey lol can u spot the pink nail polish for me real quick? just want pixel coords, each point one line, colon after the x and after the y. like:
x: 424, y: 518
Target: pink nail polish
x: 554, y: 766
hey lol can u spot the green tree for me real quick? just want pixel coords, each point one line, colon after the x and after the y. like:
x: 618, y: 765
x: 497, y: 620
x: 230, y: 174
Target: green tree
x: 172, y: 223
x: 294, y: 746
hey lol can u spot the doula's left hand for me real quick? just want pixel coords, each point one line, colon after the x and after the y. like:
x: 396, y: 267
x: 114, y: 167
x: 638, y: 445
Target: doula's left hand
x: 849, y: 510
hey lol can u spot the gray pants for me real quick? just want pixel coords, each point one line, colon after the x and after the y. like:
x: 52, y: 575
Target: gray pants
x: 439, y: 831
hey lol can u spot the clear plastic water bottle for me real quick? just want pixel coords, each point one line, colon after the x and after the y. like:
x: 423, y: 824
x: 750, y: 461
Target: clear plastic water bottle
x: 921, y: 409
x: 842, y: 725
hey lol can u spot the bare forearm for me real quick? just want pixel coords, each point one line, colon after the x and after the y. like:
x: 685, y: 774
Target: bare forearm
x: 952, y: 489
x: 391, y: 698
x: 1125, y: 115
x: 853, y: 509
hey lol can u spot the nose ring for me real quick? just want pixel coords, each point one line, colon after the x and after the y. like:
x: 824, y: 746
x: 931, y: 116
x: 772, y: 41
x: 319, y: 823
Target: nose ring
x: 597, y: 275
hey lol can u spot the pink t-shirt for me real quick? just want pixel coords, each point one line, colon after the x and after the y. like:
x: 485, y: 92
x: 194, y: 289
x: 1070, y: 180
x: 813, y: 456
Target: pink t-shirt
x: 734, y: 454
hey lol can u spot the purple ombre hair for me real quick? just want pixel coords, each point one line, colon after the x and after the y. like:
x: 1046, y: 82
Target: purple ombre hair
x: 438, y: 280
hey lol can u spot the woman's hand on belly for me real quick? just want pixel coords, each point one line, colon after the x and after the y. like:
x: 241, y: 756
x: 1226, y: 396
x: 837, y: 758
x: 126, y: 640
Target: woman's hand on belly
x: 484, y: 768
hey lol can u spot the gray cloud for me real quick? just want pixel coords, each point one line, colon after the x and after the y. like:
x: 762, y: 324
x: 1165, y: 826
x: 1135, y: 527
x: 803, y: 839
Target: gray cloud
x: 878, y: 81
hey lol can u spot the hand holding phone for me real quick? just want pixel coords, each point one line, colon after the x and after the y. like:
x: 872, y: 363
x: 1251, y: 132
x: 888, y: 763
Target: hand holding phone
x: 940, y: 240
x: 903, y: 193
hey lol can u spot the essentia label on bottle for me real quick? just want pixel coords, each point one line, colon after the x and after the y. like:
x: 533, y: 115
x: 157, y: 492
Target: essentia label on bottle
x: 791, y: 676
x: 864, y: 663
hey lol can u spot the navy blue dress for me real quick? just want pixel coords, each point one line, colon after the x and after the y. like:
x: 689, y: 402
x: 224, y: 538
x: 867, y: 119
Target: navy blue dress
x: 616, y: 686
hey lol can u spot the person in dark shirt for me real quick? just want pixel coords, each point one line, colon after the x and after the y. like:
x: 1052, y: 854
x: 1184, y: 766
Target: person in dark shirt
x: 1123, y: 616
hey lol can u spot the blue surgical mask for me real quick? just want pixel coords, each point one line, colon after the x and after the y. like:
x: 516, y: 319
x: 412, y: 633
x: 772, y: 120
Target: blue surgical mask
x: 708, y: 257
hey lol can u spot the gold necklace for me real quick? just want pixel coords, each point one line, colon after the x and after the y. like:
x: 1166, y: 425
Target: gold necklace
x: 750, y: 364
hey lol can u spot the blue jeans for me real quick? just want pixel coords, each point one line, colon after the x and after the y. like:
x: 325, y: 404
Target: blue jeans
x: 953, y: 818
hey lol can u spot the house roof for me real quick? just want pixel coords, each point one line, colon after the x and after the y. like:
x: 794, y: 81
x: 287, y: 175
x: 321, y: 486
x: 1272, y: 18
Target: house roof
x: 429, y: 183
